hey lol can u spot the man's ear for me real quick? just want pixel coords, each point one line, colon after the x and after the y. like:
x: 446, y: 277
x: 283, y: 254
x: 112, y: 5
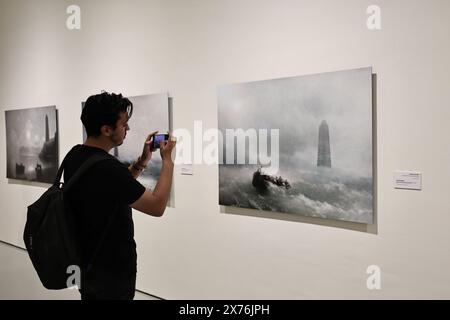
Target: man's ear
x: 106, y: 130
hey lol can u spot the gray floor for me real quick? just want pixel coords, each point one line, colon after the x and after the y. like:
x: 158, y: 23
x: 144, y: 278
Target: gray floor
x: 19, y: 281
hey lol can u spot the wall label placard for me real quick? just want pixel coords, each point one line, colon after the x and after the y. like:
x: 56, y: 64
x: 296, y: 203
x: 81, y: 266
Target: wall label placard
x: 187, y: 170
x: 408, y: 180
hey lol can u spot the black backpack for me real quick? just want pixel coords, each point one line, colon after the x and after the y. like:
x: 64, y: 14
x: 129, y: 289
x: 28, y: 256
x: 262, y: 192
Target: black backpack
x: 50, y: 233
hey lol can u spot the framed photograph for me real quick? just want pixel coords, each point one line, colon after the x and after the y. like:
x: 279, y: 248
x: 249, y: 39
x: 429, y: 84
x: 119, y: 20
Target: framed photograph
x: 32, y: 149
x: 317, y: 132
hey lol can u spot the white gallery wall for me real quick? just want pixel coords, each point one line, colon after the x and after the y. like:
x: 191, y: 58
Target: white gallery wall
x: 199, y: 250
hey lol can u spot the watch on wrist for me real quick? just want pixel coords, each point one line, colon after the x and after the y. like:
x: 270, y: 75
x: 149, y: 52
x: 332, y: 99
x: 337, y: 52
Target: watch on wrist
x: 138, y: 166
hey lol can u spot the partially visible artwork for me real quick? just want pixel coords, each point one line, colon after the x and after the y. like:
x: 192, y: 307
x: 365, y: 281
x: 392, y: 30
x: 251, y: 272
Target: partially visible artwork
x: 32, y: 149
x: 324, y: 167
x: 150, y: 113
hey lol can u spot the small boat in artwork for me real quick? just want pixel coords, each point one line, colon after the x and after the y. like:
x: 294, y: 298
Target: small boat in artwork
x: 261, y: 181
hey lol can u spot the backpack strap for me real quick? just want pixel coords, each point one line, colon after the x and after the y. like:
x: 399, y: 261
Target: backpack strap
x: 80, y: 171
x: 57, y: 181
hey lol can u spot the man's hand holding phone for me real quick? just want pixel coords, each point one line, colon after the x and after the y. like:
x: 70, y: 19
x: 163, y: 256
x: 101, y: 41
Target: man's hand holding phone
x: 165, y: 142
x: 157, y: 139
x: 166, y: 146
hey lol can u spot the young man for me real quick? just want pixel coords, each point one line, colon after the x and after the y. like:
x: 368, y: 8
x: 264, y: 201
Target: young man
x: 103, y: 197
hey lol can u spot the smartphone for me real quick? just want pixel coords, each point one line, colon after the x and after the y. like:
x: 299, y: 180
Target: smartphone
x: 158, y: 138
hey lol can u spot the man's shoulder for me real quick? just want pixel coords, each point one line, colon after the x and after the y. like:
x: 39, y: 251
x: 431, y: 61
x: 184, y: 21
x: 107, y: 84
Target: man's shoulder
x: 82, y: 153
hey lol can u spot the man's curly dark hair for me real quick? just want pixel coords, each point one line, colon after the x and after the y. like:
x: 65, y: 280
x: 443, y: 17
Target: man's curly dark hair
x: 104, y: 109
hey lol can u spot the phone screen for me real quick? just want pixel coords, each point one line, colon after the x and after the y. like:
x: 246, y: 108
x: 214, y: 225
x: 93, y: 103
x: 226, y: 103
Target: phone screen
x: 158, y: 139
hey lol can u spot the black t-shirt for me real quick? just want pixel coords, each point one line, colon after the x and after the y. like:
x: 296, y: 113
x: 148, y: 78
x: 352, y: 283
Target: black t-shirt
x: 105, y: 191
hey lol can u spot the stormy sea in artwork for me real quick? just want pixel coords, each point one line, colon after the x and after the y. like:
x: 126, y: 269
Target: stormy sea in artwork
x: 318, y: 192
x: 150, y: 176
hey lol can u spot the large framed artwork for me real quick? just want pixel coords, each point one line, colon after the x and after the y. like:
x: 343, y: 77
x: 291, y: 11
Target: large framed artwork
x: 32, y: 149
x: 316, y: 130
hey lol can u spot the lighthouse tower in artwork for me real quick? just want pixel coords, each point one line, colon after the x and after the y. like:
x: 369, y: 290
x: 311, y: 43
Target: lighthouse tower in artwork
x: 324, y: 155
x: 47, y: 130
